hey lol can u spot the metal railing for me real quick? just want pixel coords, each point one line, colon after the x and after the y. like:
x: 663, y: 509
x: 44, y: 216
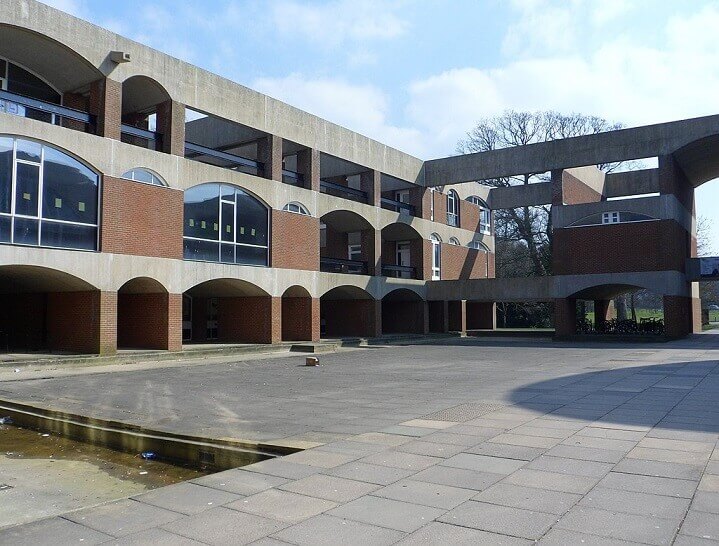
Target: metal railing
x: 336, y: 265
x: 397, y: 206
x: 399, y: 271
x: 151, y: 139
x: 453, y: 219
x: 10, y: 103
x: 293, y: 178
x: 235, y: 162
x: 344, y: 191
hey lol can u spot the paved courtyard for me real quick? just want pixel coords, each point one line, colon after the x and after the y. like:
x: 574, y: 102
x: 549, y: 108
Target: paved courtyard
x: 474, y: 441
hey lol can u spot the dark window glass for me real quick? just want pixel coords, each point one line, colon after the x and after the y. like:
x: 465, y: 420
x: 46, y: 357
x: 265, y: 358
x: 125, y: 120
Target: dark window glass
x: 26, y: 231
x: 3, y: 66
x: 251, y: 220
x: 202, y: 212
x: 69, y: 189
x: 250, y: 255
x: 227, y: 254
x: 22, y: 82
x: 5, y: 174
x: 228, y: 222
x: 5, y: 223
x: 68, y: 236
x: 205, y: 251
x: 26, y: 189
x: 29, y: 150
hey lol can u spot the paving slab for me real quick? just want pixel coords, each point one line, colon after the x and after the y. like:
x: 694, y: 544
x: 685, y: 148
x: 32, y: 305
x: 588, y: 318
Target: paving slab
x: 590, y: 469
x: 370, y: 473
x: 123, y: 518
x: 330, y: 530
x: 500, y: 519
x: 443, y: 533
x: 406, y: 461
x: 330, y: 488
x: 392, y: 514
x: 659, y: 468
x: 701, y: 524
x: 528, y: 498
x: 564, y: 537
x: 631, y: 502
x: 282, y: 505
x: 670, y: 487
x: 431, y: 449
x: 154, y: 537
x: 426, y: 493
x: 186, y: 498
x: 506, y: 451
x: 458, y: 477
x: 483, y: 463
x: 553, y: 481
x: 59, y: 530
x: 706, y: 501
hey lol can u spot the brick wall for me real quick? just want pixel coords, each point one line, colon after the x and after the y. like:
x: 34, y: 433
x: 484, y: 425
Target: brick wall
x: 574, y: 191
x: 106, y: 104
x: 460, y: 262
x: 682, y: 316
x: 403, y: 316
x: 141, y: 219
x: 250, y: 320
x: 438, y: 320
x: 469, y: 216
x: 143, y: 321
x: 481, y: 315
x: 82, y: 322
x: 295, y: 241
x: 457, y: 316
x: 336, y: 244
x: 565, y: 318
x: 344, y: 318
x: 664, y: 245
x: 300, y: 319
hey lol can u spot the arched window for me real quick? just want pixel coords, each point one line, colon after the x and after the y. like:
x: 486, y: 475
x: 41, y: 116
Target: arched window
x: 454, y: 241
x: 478, y: 245
x: 297, y: 208
x: 452, y: 208
x: 145, y: 176
x: 485, y: 215
x: 436, y: 256
x: 224, y: 223
x: 47, y: 198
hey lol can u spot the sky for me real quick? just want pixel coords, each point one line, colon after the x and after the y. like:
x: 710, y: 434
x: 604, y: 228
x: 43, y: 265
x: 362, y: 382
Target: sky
x: 419, y: 74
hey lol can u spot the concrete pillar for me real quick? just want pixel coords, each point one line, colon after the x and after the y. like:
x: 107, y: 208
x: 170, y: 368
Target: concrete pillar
x: 269, y: 152
x: 371, y: 182
x: 601, y: 310
x: 375, y: 319
x: 565, y: 317
x: 308, y: 165
x: 106, y: 105
x: 457, y: 316
x: 682, y: 316
x: 275, y: 330
x: 171, y: 125
x: 481, y: 315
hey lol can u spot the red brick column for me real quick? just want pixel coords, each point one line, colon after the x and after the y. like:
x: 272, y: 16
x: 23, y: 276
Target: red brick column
x: 174, y: 322
x: 682, y: 316
x: 601, y: 309
x: 300, y: 319
x: 171, y: 124
x: 308, y: 164
x: 82, y: 322
x: 269, y: 152
x: 371, y: 182
x: 565, y: 317
x: 106, y: 105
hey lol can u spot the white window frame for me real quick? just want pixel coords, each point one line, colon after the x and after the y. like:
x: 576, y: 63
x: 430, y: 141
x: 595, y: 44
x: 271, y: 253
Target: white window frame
x: 296, y: 208
x: 431, y: 204
x: 454, y: 241
x: 610, y: 217
x: 453, y: 211
x: 436, y: 256
x: 485, y: 214
x: 130, y: 175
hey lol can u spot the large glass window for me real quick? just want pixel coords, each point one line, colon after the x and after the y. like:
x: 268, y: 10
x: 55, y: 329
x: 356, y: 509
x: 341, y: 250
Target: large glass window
x: 436, y: 256
x: 452, y: 208
x: 223, y: 223
x: 47, y: 198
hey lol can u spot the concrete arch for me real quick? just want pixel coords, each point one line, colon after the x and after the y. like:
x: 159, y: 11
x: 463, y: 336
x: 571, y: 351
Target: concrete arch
x: 15, y: 278
x: 249, y: 192
x: 141, y: 92
x: 400, y: 231
x: 699, y: 159
x: 300, y: 315
x: 419, y: 289
x: 144, y: 308
x: 402, y: 294
x: 227, y: 287
x: 344, y: 220
x: 59, y: 148
x: 347, y: 292
x: 142, y: 285
x: 404, y: 311
x: 296, y: 291
x: 57, y: 63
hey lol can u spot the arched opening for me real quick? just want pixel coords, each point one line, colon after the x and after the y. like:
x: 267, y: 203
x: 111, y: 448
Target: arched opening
x: 615, y: 310
x: 43, y: 309
x: 347, y: 244
x: 146, y: 108
x: 402, y: 252
x: 230, y: 311
x: 404, y: 312
x: 47, y: 197
x: 45, y: 80
x: 143, y: 316
x: 225, y: 223
x: 349, y: 311
x: 436, y: 241
x: 300, y: 315
x: 146, y: 176
x: 452, y: 208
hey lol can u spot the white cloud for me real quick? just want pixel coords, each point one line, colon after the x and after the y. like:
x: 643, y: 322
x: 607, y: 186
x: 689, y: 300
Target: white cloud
x: 338, y: 21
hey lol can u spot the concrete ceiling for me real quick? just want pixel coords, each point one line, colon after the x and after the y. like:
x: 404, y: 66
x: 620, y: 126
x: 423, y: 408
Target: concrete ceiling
x: 221, y: 288
x: 33, y: 279
x: 345, y: 221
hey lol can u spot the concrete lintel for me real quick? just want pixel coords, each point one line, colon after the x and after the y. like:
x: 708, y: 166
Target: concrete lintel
x: 514, y: 197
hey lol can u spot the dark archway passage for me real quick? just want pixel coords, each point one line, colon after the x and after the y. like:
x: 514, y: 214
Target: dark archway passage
x: 147, y: 316
x: 300, y: 315
x: 404, y: 312
x: 349, y: 311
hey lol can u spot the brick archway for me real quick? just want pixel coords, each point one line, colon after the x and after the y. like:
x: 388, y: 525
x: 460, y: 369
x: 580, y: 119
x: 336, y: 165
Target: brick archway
x: 147, y: 316
x: 404, y: 312
x: 349, y: 311
x: 300, y: 315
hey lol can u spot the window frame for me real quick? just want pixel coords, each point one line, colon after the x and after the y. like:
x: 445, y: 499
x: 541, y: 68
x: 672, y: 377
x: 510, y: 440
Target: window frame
x: 611, y: 217
x: 436, y: 241
x: 453, y: 215
x: 485, y: 214
x: 162, y: 182
x: 40, y: 218
x: 301, y: 209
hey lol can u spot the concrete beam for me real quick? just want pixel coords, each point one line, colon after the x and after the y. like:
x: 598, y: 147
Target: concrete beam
x: 532, y: 195
x: 632, y: 183
x: 609, y: 147
x: 519, y: 289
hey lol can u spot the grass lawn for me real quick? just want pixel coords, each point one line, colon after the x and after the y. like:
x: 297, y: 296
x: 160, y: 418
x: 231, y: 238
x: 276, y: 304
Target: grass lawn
x: 642, y: 313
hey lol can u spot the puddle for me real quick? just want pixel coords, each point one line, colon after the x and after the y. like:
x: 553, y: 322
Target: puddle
x: 44, y: 474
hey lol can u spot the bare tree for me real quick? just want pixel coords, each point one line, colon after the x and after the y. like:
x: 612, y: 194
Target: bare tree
x: 527, y: 226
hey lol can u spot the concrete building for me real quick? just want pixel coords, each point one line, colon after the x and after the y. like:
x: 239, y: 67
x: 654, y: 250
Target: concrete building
x: 145, y: 202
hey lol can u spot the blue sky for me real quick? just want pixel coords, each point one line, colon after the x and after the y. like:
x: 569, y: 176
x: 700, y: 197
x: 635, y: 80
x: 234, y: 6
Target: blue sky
x: 417, y: 74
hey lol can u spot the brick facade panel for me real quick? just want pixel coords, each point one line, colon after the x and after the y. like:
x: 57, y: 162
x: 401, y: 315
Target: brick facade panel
x: 619, y: 248
x: 141, y: 219
x: 296, y: 241
x: 143, y: 321
x: 459, y: 262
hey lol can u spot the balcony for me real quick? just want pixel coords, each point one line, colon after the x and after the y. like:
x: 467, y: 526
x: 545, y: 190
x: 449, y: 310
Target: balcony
x: 20, y: 105
x: 452, y: 219
x: 399, y: 271
x: 219, y: 158
x: 293, y: 178
x: 141, y: 137
x: 335, y: 265
x: 398, y: 206
x: 338, y: 190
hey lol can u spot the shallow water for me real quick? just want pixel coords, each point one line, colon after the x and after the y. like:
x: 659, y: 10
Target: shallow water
x: 50, y: 475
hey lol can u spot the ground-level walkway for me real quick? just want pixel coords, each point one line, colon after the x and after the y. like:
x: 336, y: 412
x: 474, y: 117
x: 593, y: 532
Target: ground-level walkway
x: 472, y: 441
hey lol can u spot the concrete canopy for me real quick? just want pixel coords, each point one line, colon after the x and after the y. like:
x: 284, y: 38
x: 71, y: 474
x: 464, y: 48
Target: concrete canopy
x: 226, y: 288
